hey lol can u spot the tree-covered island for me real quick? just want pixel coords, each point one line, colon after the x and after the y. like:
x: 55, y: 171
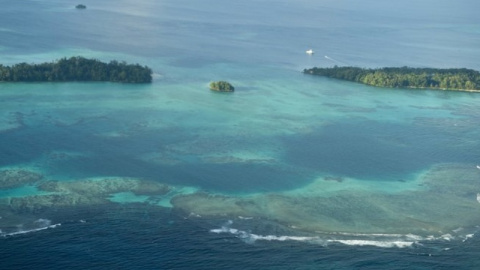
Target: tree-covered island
x: 459, y: 79
x: 76, y: 69
x: 221, y: 86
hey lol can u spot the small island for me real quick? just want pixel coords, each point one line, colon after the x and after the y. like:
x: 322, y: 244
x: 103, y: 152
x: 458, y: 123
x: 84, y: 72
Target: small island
x: 76, y: 69
x: 457, y: 79
x: 221, y: 86
x: 80, y: 6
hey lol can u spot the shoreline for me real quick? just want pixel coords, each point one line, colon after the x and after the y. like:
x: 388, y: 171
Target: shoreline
x: 453, y: 79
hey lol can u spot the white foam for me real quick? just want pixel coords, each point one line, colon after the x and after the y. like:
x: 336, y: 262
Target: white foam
x: 414, y: 237
x: 42, y: 224
x: 193, y: 214
x: 468, y: 236
x: 385, y: 244
x: 447, y: 237
x: 371, y: 234
x: 351, y: 239
x: 399, y: 241
x: 251, y: 238
x: 283, y: 238
x: 457, y: 230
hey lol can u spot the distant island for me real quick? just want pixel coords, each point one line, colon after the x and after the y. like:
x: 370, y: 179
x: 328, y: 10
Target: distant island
x: 80, y: 6
x: 76, y: 69
x: 459, y: 79
x: 221, y: 86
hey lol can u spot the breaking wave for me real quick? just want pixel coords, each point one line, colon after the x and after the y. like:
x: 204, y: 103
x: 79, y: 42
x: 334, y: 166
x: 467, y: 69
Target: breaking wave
x: 351, y: 239
x: 38, y: 225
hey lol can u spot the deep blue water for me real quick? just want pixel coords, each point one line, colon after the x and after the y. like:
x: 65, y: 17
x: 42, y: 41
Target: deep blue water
x: 151, y: 239
x: 282, y: 129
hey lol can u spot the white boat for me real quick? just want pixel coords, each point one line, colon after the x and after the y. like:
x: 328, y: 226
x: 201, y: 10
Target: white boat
x: 309, y: 51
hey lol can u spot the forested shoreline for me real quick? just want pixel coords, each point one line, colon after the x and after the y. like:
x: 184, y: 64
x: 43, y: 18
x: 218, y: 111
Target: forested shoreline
x: 76, y: 69
x: 460, y: 79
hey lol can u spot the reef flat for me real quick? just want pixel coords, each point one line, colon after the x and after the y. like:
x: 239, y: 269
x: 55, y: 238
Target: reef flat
x: 425, y: 206
x: 55, y: 196
x: 12, y: 178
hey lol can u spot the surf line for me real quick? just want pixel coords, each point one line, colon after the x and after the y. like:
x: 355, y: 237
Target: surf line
x: 30, y: 231
x: 251, y: 238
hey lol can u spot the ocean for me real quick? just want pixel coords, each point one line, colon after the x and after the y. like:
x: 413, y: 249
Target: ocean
x: 290, y: 171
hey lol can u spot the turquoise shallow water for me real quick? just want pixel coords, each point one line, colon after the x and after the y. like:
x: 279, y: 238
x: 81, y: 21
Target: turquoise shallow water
x: 281, y: 142
x: 312, y: 153
x: 276, y: 125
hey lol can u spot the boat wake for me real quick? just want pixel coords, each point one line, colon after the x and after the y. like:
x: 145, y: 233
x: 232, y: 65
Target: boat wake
x: 334, y: 60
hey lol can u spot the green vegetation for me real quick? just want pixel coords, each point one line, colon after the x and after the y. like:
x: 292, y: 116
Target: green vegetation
x: 460, y: 79
x: 222, y: 86
x: 76, y: 69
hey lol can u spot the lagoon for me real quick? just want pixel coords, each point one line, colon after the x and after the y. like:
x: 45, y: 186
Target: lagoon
x: 286, y: 157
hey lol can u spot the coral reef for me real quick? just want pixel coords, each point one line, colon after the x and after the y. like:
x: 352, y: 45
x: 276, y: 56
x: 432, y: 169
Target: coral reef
x: 17, y: 177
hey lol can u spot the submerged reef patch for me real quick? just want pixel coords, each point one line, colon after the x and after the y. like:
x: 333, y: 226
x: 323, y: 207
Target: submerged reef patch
x: 440, y: 204
x: 98, y: 187
x: 17, y: 177
x: 61, y: 201
x: 88, y: 192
